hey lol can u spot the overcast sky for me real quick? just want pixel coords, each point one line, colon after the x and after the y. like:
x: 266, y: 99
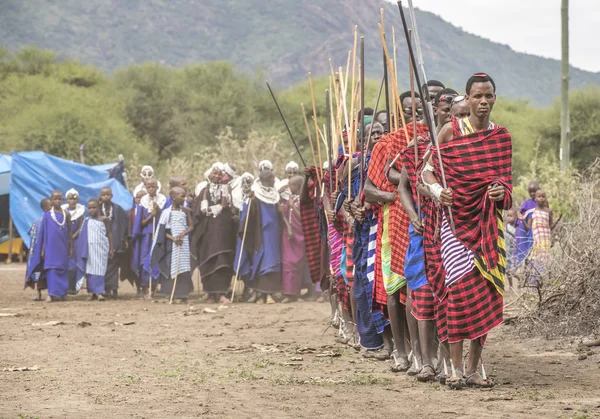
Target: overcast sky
x: 531, y: 26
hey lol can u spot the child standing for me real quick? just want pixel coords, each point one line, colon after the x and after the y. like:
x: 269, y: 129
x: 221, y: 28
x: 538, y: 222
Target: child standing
x: 76, y: 211
x: 130, y: 252
x: 171, y: 247
x: 36, y: 279
x: 146, y: 221
x: 53, y: 249
x: 540, y: 222
x: 95, y: 250
x: 119, y: 226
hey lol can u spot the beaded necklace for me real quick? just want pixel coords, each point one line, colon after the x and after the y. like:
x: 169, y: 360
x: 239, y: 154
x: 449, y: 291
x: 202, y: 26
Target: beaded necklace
x: 53, y: 215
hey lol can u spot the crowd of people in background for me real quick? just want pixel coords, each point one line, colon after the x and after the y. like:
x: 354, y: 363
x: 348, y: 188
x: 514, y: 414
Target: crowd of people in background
x: 409, y: 244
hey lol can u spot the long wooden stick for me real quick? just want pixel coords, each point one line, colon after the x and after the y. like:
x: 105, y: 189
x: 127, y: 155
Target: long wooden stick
x: 237, y: 271
x: 314, y: 109
x: 361, y: 120
x: 394, y: 51
x: 176, y: 273
x: 352, y: 137
x: 394, y: 85
x: 312, y: 147
x: 427, y: 109
x: 345, y: 109
x: 414, y: 121
x: 286, y: 124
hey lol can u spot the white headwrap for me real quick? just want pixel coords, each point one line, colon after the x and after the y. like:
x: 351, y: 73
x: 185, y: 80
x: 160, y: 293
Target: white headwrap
x: 144, y: 173
x: 229, y: 170
x: 72, y: 191
x: 265, y: 165
x: 217, y: 165
x: 292, y: 166
x: 145, y: 176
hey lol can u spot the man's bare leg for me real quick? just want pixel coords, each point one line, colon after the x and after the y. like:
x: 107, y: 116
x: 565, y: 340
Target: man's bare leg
x: 473, y: 377
x: 398, y: 327
x: 427, y: 341
x: 413, y: 329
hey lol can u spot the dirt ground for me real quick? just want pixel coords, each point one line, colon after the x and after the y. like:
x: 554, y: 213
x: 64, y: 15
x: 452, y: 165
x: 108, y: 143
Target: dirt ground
x: 132, y: 358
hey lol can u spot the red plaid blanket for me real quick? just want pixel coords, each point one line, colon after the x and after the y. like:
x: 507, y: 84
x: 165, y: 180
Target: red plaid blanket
x: 472, y: 163
x: 408, y: 161
x: 383, y: 153
x: 310, y: 226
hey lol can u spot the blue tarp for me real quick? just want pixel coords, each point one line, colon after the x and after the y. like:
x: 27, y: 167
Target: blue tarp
x: 36, y: 174
x: 5, y: 162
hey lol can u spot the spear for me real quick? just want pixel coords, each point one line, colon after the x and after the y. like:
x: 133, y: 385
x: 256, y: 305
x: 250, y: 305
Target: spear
x: 286, y: 124
x: 428, y: 108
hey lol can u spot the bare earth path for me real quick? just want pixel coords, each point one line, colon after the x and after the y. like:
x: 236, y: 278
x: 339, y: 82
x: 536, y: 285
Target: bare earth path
x: 132, y: 358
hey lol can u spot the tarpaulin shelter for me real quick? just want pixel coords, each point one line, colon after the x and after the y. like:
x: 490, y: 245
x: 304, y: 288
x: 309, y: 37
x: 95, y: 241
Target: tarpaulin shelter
x: 35, y: 174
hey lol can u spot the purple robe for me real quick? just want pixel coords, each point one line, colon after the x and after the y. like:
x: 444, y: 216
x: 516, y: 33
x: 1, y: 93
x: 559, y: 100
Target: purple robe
x: 54, y: 240
x: 523, y: 237
x: 292, y: 252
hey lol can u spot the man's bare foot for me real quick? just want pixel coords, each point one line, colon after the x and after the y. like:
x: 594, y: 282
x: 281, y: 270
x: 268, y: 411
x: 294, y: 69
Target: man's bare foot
x: 400, y: 364
x: 270, y: 299
x: 477, y: 381
x: 224, y: 300
x: 426, y: 374
x: 49, y: 299
x: 101, y: 297
x: 457, y: 380
x: 415, y: 368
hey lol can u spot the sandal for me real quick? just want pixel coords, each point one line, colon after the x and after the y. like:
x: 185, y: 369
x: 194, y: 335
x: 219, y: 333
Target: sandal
x: 488, y: 382
x: 383, y: 354
x: 457, y: 381
x: 426, y: 374
x: 400, y: 364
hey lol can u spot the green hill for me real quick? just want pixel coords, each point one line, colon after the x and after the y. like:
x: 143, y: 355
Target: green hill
x: 282, y: 38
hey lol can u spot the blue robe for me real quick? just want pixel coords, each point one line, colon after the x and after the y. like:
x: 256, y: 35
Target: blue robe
x: 54, y: 240
x: 142, y: 245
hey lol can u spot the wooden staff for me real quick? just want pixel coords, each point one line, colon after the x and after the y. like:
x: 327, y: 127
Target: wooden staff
x: 347, y: 73
x: 345, y: 109
x: 371, y: 130
x: 176, y: 273
x: 312, y: 147
x: 414, y: 121
x: 314, y: 109
x: 427, y: 109
x: 329, y: 139
x: 352, y: 137
x: 394, y: 51
x: 286, y: 124
x: 394, y: 85
x: 237, y: 271
x: 362, y: 106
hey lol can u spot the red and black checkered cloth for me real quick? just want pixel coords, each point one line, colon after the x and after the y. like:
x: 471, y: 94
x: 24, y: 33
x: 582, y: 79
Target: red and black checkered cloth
x: 408, y: 162
x: 309, y: 213
x: 423, y: 303
x: 472, y: 164
x: 474, y: 308
x: 384, y: 152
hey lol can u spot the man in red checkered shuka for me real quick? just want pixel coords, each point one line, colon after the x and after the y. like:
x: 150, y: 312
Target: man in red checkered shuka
x: 476, y: 156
